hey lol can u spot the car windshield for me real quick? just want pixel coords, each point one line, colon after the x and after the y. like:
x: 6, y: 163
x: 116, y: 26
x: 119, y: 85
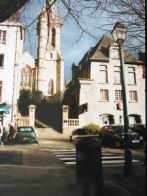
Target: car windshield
x: 25, y: 129
x: 119, y: 129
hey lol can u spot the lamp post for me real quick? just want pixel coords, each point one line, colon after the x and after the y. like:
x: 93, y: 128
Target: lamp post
x: 119, y: 35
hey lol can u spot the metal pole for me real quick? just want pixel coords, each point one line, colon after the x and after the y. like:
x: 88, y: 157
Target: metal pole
x: 128, y: 166
x: 14, y: 78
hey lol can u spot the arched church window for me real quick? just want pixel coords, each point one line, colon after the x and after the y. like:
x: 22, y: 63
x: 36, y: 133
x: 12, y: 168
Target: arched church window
x: 26, y: 77
x: 53, y: 37
x: 22, y: 77
x: 51, y: 87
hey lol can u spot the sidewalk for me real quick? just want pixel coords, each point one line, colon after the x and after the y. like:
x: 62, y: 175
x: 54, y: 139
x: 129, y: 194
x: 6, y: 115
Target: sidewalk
x: 117, y: 184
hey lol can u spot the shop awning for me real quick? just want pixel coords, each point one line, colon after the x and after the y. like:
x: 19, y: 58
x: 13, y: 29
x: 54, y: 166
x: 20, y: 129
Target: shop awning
x: 4, y: 108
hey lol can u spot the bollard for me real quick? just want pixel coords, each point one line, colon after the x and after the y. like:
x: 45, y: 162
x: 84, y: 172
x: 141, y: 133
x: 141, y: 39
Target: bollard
x: 89, y: 161
x: 128, y: 166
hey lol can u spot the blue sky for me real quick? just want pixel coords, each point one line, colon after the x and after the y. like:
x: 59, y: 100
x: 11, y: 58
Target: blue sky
x: 99, y: 23
x: 71, y: 49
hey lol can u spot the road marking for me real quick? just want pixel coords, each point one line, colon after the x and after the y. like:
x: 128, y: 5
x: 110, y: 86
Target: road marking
x: 65, y: 158
x: 32, y: 167
x: 108, y: 159
x: 60, y: 153
x: 65, y: 150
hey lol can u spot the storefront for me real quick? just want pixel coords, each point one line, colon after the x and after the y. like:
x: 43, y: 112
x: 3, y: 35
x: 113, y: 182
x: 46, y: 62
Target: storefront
x: 5, y: 115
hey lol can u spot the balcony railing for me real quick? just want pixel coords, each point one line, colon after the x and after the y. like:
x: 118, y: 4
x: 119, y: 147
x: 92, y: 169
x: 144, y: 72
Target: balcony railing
x: 23, y: 121
x: 73, y: 122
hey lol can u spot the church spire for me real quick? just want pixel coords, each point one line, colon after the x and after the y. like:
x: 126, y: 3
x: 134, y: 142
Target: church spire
x: 50, y: 62
x: 51, y: 7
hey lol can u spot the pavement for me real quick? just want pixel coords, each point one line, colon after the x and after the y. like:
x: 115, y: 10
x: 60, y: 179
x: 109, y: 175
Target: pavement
x: 34, y: 171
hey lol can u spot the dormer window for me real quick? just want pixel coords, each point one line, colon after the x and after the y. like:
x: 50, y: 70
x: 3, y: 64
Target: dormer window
x: 103, y: 77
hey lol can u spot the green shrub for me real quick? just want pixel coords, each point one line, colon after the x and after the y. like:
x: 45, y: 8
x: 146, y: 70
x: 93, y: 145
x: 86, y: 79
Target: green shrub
x: 91, y: 129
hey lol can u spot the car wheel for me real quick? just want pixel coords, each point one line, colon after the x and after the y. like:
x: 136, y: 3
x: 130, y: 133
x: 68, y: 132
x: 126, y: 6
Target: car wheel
x: 117, y: 144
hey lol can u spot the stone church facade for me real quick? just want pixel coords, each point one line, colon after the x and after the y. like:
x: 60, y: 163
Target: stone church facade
x: 50, y: 63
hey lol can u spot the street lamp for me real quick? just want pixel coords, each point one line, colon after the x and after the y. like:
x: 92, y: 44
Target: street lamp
x: 119, y: 35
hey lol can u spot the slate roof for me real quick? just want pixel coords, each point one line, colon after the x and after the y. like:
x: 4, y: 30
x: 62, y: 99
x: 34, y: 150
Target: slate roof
x: 14, y: 18
x: 101, y: 50
x: 101, y: 53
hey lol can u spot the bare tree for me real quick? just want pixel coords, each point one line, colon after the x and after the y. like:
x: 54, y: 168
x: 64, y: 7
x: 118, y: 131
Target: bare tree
x: 96, y: 17
x: 101, y: 15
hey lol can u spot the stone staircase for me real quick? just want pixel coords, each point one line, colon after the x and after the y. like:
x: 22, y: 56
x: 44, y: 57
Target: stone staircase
x: 43, y: 131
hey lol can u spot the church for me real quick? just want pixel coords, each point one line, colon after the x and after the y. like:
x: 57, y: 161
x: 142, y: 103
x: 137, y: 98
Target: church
x: 50, y: 63
x: 34, y: 80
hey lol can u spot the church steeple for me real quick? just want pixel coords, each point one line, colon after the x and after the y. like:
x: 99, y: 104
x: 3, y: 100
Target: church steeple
x: 50, y: 63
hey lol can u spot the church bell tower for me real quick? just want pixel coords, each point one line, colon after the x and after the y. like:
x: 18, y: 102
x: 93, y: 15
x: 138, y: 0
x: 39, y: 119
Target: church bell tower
x: 50, y: 66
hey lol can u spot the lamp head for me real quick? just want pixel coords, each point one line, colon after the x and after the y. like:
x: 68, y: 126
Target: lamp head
x: 119, y: 33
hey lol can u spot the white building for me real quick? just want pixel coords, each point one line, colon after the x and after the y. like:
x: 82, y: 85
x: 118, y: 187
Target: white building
x: 11, y: 45
x: 50, y: 66
x: 95, y: 93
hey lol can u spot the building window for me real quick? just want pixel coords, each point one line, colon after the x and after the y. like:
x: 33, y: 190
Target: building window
x: 118, y: 95
x: 1, y: 60
x: 0, y: 91
x: 2, y: 37
x: 104, y: 95
x: 133, y: 96
x: 51, y: 87
x: 103, y: 74
x: 22, y: 77
x: 117, y: 76
x: 26, y: 77
x: 53, y: 37
x: 143, y: 75
x: 131, y: 75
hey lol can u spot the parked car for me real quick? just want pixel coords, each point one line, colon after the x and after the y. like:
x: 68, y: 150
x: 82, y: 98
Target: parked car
x: 90, y: 130
x: 76, y: 133
x: 25, y: 134
x: 114, y: 135
x: 79, y: 131
x: 139, y: 128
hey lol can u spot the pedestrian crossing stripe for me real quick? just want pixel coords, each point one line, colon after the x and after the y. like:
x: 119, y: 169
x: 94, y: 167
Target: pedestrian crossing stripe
x: 73, y: 158
x: 103, y: 162
x: 61, y: 150
x: 69, y: 157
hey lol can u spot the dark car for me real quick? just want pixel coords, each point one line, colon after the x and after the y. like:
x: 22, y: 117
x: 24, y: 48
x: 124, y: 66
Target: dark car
x: 114, y: 135
x: 76, y: 133
x: 25, y: 134
x: 139, y: 128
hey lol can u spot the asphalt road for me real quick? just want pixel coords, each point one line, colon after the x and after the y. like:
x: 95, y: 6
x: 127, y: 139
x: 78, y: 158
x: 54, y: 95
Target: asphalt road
x: 33, y: 170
